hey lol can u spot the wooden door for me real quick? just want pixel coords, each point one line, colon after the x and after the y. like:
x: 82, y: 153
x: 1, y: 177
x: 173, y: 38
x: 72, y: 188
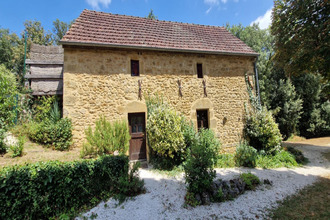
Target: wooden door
x: 137, y: 127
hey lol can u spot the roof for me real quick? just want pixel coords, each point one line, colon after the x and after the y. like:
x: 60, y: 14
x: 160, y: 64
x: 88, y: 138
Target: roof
x: 111, y: 30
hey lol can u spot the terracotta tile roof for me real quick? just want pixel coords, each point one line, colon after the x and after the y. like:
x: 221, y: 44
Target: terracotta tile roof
x: 99, y: 28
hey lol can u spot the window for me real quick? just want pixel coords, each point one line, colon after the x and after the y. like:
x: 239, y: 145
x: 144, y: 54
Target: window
x: 199, y: 70
x: 135, y: 70
x: 202, y: 119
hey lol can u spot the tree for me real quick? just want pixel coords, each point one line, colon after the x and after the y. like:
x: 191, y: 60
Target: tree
x: 59, y: 30
x: 151, y: 15
x: 301, y: 30
x: 7, y: 43
x: 36, y: 33
x: 288, y: 108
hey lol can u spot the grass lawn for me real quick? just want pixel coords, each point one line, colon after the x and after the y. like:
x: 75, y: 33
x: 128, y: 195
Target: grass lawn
x: 312, y: 202
x: 33, y: 153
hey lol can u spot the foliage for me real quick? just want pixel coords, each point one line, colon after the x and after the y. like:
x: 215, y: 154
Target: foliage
x: 280, y: 159
x: 298, y: 155
x: 151, y: 15
x: 191, y: 200
x: 3, y: 147
x: 250, y: 180
x: 8, y: 94
x: 37, y: 34
x: 8, y: 44
x: 48, y: 189
x: 261, y: 131
x: 245, y: 155
x: 130, y: 185
x: 164, y: 130
x: 42, y: 107
x: 55, y: 113
x: 315, y: 120
x: 226, y: 161
x: 202, y: 156
x: 17, y: 149
x: 288, y: 108
x: 59, y: 30
x: 301, y: 29
x: 106, y: 138
x: 56, y: 135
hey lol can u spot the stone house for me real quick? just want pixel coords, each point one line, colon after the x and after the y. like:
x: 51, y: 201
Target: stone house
x: 111, y: 60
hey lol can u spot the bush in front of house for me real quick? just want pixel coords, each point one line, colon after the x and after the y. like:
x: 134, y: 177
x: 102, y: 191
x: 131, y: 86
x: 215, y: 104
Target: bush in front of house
x: 165, y: 137
x: 106, y: 138
x: 202, y: 157
x: 245, y: 155
x: 57, y: 135
x: 48, y: 189
x: 261, y: 131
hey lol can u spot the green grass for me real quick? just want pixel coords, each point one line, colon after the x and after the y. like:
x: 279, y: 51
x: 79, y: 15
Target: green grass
x: 288, y: 157
x: 172, y: 173
x: 226, y: 161
x: 312, y: 202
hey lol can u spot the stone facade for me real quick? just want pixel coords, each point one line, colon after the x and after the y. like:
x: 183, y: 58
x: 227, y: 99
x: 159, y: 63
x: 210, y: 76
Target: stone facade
x: 98, y: 81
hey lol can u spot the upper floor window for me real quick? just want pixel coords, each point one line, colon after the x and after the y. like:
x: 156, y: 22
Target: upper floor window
x: 199, y: 70
x: 135, y: 69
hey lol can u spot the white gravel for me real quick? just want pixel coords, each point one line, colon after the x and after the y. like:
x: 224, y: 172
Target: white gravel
x: 164, y: 198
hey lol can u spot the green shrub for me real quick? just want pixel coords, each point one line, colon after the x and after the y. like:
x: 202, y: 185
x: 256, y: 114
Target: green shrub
x: 3, y: 147
x: 226, y: 161
x: 57, y: 135
x: 202, y: 156
x: 8, y: 92
x: 17, y: 149
x: 42, y: 107
x: 49, y: 189
x: 250, y: 180
x: 164, y: 131
x: 191, y: 200
x: 106, y: 138
x: 280, y: 159
x: 298, y: 155
x: 261, y: 131
x: 245, y: 155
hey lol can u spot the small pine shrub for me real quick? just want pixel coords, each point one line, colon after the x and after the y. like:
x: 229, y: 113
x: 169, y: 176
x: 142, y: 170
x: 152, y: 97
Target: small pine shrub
x: 17, y: 149
x: 250, y: 180
x: 106, y: 138
x: 245, y: 155
x: 202, y: 156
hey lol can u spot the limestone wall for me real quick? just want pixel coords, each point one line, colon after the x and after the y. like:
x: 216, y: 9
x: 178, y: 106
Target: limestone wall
x: 99, y: 82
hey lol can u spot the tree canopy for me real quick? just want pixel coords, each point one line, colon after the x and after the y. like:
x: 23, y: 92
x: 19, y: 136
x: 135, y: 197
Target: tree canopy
x: 151, y: 15
x: 302, y: 41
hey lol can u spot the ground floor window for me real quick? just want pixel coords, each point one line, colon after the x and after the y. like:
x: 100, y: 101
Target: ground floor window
x: 202, y: 119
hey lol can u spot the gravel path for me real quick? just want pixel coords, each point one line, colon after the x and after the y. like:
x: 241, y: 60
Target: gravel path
x: 165, y: 195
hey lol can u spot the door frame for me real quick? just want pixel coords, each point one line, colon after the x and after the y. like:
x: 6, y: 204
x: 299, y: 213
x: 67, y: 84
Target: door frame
x: 130, y: 114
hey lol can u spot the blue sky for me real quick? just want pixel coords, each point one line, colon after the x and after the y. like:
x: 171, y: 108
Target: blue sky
x: 13, y: 13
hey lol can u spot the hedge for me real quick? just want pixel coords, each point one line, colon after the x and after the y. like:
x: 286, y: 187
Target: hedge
x: 48, y: 189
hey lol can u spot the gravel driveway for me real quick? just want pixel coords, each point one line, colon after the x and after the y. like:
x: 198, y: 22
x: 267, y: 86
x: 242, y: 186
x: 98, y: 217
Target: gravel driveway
x: 164, y: 198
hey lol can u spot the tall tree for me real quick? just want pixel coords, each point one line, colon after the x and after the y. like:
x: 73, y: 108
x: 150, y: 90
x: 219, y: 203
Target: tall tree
x: 302, y: 40
x: 151, y: 15
x: 36, y: 33
x: 59, y: 30
x: 8, y: 42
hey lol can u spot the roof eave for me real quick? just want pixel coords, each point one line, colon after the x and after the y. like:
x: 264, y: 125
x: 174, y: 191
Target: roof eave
x: 74, y: 43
